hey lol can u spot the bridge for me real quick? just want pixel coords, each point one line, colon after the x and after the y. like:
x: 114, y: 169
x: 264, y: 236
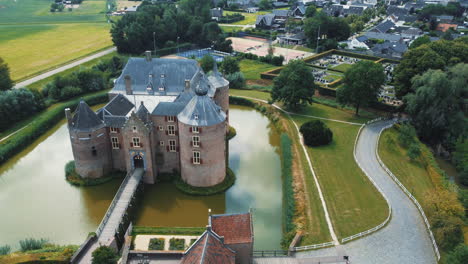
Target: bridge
x: 111, y: 223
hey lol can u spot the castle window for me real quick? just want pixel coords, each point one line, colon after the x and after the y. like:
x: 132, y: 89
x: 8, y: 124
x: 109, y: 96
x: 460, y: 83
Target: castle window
x: 114, y: 130
x: 196, y: 157
x: 161, y: 143
x: 195, y: 116
x: 115, y: 143
x: 161, y: 128
x: 94, y: 151
x: 195, y: 130
x: 172, y: 146
x: 171, y: 119
x: 134, y: 129
x: 196, y: 141
x: 136, y: 142
x: 171, y: 130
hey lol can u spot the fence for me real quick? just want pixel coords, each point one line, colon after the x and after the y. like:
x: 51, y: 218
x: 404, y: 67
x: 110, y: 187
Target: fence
x: 83, y: 248
x: 316, y: 246
x: 364, y: 233
x: 270, y: 253
x: 403, y: 188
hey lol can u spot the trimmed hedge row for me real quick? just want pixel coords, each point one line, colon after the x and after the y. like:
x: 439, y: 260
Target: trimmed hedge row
x: 289, y: 203
x: 42, y: 124
x: 229, y: 180
x: 191, y: 231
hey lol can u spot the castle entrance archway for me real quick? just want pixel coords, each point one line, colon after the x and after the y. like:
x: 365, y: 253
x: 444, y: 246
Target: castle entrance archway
x: 138, y: 161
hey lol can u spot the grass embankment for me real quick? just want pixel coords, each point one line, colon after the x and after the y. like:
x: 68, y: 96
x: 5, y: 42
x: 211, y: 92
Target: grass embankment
x: 42, y: 123
x: 33, y: 40
x: 75, y: 179
x: 228, y: 181
x: 48, y: 254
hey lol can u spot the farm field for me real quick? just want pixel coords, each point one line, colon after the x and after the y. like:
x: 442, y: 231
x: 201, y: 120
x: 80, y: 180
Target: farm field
x: 33, y: 40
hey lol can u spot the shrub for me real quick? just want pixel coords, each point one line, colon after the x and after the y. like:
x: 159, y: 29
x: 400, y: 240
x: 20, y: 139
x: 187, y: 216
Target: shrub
x: 414, y: 151
x: 207, y: 62
x: 5, y: 250
x: 407, y: 135
x: 186, y: 231
x: 288, y: 191
x: 316, y: 133
x: 232, y: 133
x: 459, y: 255
x: 236, y: 80
x: 156, y: 244
x: 176, y: 244
x: 69, y: 92
x: 32, y: 244
x: 104, y: 255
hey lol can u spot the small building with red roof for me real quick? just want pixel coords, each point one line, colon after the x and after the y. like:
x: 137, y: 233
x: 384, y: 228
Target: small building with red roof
x: 444, y: 27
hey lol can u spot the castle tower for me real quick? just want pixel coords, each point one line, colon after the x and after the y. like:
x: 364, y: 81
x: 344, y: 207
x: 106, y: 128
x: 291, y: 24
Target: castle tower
x: 202, y: 128
x: 90, y: 142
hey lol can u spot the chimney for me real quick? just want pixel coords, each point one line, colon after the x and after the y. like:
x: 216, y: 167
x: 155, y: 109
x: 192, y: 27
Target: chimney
x: 128, y: 84
x: 68, y: 116
x: 187, y: 85
x: 148, y: 55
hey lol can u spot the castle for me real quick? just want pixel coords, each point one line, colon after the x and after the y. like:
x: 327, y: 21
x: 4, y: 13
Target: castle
x: 164, y: 115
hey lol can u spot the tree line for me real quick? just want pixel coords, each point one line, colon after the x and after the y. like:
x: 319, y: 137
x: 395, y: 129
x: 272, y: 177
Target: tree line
x: 164, y: 25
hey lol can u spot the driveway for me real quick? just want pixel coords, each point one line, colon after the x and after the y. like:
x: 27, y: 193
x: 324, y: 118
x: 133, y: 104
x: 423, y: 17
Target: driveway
x: 405, y: 238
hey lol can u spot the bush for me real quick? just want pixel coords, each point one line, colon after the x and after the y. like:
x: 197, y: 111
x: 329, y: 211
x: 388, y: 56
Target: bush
x: 459, y: 255
x: 69, y: 92
x: 316, y: 133
x: 407, y: 135
x: 207, y: 63
x: 203, y: 191
x: 149, y: 230
x: 414, y: 151
x: 230, y: 65
x: 232, y: 133
x: 5, y: 250
x: 177, y: 244
x: 104, y: 255
x: 236, y: 80
x: 156, y: 244
x: 289, y: 207
x: 32, y: 244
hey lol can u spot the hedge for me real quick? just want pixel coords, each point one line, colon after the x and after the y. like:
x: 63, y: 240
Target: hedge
x: 184, y: 187
x: 190, y: 231
x: 75, y: 179
x: 156, y: 244
x: 177, y: 244
x: 42, y: 124
x: 289, y: 203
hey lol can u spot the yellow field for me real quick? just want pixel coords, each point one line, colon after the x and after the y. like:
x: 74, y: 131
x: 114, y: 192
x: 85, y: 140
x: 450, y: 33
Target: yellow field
x: 39, y: 50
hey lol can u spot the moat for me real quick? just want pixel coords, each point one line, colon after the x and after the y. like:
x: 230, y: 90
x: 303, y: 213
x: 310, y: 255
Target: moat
x: 36, y: 201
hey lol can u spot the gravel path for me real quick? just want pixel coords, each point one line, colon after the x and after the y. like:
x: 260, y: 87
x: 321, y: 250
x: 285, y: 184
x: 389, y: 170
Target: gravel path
x: 63, y: 68
x: 405, y: 239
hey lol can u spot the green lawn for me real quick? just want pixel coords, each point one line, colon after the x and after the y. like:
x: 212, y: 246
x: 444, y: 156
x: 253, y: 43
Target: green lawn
x: 33, y: 40
x: 343, y: 67
x: 354, y: 204
x: 252, y: 68
x: 250, y: 93
x: 250, y: 18
x: 227, y: 29
x: 412, y: 174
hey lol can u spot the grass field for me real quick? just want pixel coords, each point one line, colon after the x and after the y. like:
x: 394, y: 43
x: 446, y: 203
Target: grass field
x: 412, y: 174
x: 250, y: 93
x: 252, y: 68
x: 32, y: 39
x: 343, y: 67
x: 250, y: 18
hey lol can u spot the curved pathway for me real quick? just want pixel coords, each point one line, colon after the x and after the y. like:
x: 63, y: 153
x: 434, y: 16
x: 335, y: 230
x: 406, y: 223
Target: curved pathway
x: 63, y: 68
x: 405, y: 238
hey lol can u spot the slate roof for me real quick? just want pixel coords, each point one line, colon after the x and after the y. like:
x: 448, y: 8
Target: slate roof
x: 201, y: 110
x: 267, y: 19
x: 115, y: 121
x: 279, y: 4
x: 216, y: 12
x: 142, y: 113
x: 170, y: 72
x: 412, y: 31
x: 384, y: 36
x: 391, y: 48
x: 85, y: 119
x: 353, y: 10
x: 209, y: 249
x: 362, y: 38
x: 119, y: 106
x: 384, y: 26
x: 398, y: 12
x: 333, y: 9
x: 216, y: 78
x: 299, y: 10
x: 281, y: 13
x: 235, y: 228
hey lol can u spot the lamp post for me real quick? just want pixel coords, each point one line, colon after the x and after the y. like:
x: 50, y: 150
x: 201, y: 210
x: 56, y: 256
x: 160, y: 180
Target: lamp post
x: 178, y: 44
x: 154, y: 42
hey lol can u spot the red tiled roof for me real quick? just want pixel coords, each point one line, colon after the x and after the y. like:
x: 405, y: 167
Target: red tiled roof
x: 235, y: 228
x: 444, y: 27
x: 209, y: 249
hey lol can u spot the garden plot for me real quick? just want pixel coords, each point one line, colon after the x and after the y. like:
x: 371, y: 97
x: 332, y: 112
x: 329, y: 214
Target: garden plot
x: 163, y: 242
x: 325, y: 77
x: 336, y: 62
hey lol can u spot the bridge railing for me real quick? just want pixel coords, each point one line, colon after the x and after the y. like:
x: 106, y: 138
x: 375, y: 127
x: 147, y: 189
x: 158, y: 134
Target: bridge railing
x: 270, y: 253
x: 113, y: 204
x: 315, y: 246
x: 82, y: 249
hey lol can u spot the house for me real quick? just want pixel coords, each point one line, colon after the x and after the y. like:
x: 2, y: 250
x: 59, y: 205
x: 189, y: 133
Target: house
x: 353, y: 10
x: 389, y: 49
x: 228, y: 239
x: 444, y: 19
x: 298, y: 10
x: 164, y: 115
x: 411, y: 33
x: 265, y: 21
x: 397, y: 11
x: 293, y: 39
x: 278, y: 4
x: 216, y: 13
x: 360, y: 42
x: 444, y: 27
x: 384, y: 27
x: 333, y: 10
x: 383, y: 36
x: 281, y: 14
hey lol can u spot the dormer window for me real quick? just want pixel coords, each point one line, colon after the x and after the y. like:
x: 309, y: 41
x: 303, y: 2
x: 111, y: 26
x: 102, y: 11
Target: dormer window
x: 170, y: 118
x: 162, y: 75
x: 195, y: 116
x: 161, y: 88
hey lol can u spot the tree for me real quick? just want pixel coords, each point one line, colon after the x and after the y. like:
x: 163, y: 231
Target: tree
x: 104, y: 255
x: 361, y: 84
x: 5, y: 81
x: 294, y: 86
x: 230, y: 65
x: 265, y: 4
x: 326, y: 27
x: 420, y: 41
x: 459, y: 255
x: 316, y: 133
x: 310, y: 11
x: 460, y: 160
x: 436, y: 107
x: 236, y: 80
x: 414, y: 151
x: 207, y: 63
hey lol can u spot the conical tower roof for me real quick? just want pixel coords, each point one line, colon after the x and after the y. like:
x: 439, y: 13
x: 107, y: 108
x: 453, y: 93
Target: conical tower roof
x: 85, y: 119
x: 216, y: 78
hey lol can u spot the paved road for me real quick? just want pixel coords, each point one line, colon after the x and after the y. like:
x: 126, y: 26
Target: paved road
x: 405, y: 239
x: 63, y: 68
